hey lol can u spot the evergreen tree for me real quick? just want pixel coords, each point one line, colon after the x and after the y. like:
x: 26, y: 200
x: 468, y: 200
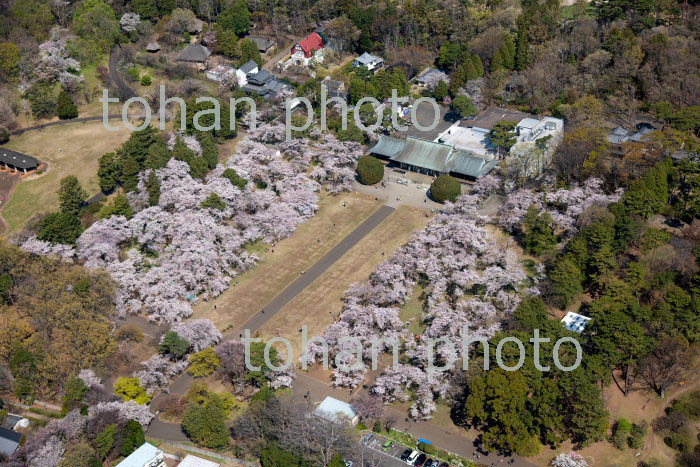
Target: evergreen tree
x: 60, y: 227
x: 71, y: 195
x: 153, y: 187
x: 249, y: 51
x: 104, y: 441
x: 234, y: 178
x: 65, y: 107
x: 73, y: 394
x: 174, y: 345
x: 205, y: 424
x: 522, y: 53
x: 147, y: 9
x: 441, y: 91
x: 131, y: 437
x: 109, y: 172
x: 120, y: 207
x: 227, y: 43
x: 503, y: 136
x: 538, y: 232
x: 236, y: 18
x: 370, y: 170
x: 567, y: 280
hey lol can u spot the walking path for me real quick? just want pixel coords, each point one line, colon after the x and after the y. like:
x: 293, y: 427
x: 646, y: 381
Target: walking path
x: 171, y: 431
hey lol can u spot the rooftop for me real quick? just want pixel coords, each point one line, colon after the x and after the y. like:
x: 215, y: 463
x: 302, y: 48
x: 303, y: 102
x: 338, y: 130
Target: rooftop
x: 142, y: 456
x: 333, y: 409
x: 260, y: 78
x: 575, y: 322
x: 248, y: 66
x: 17, y: 159
x: 311, y: 44
x: 488, y: 118
x: 194, y: 53
x: 424, y: 77
x: 194, y: 461
x: 9, y: 442
x: 263, y: 43
x: 366, y: 59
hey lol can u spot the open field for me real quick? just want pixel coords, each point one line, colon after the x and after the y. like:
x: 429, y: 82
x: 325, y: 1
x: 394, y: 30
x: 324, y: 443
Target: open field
x: 320, y: 304
x: 283, y: 262
x: 68, y: 150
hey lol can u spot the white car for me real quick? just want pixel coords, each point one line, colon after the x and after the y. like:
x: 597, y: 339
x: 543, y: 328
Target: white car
x: 412, y: 458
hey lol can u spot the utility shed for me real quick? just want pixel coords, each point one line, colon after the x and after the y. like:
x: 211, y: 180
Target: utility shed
x: 9, y: 442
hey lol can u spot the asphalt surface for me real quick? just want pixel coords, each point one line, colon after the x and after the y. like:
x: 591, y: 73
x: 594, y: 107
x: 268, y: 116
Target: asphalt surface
x: 171, y: 431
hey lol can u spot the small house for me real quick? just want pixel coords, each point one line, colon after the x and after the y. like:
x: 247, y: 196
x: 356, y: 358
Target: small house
x: 247, y: 69
x: 335, y: 88
x: 145, y: 456
x: 371, y: 62
x: 265, y: 84
x: 153, y: 47
x: 264, y: 44
x: 575, y: 322
x: 334, y: 410
x: 195, y: 54
x: 220, y: 72
x: 16, y: 161
x: 309, y: 50
x: 9, y: 442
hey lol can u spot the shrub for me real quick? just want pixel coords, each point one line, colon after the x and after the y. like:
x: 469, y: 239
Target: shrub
x: 621, y: 432
x: 65, y: 107
x: 4, y: 135
x: 445, y: 188
x: 131, y: 389
x: 204, y: 362
x: 235, y: 179
x: 214, y: 201
x: 60, y: 227
x: 146, y: 80
x: 688, y: 405
x: 370, y: 170
x: 206, y: 424
x: 377, y: 428
x: 529, y: 447
x: 636, y: 439
x: 681, y: 442
x: 132, y: 74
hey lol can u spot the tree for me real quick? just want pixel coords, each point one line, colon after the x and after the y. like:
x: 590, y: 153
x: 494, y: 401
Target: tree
x: 249, y: 51
x: 445, y: 188
x: 370, y: 170
x: 96, y: 21
x: 227, y: 43
x: 214, y: 201
x: 74, y: 393
x: 59, y: 227
x: 669, y: 362
x: 174, y: 345
x: 235, y: 179
x: 522, y: 54
x: 120, y: 207
x: 205, y: 424
x: 4, y: 135
x: 153, y: 188
x: 109, y: 172
x: 104, y: 441
x: 79, y: 455
x: 464, y: 106
x: 204, y: 362
x: 274, y: 456
x: 131, y: 389
x: 235, y: 18
x: 71, y: 195
x: 368, y: 407
x: 145, y: 8
x: 441, y: 91
x: 538, y: 232
x: 9, y: 60
x: 567, y: 280
x: 503, y: 136
x: 131, y: 437
x: 65, y: 107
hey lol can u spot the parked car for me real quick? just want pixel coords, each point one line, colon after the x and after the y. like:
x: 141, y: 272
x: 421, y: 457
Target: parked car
x: 412, y: 458
x: 429, y: 463
x: 387, y: 444
x: 421, y: 460
x: 406, y: 453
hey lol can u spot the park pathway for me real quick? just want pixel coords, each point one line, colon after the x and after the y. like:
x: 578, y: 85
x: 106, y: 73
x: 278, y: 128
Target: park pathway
x: 171, y: 431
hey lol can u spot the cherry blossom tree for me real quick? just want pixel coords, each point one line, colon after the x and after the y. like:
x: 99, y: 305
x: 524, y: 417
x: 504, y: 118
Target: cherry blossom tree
x: 571, y: 459
x: 200, y: 333
x: 130, y: 21
x: 90, y: 379
x: 129, y: 410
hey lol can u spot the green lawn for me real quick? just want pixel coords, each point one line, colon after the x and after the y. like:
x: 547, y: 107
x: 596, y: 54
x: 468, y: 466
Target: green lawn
x: 412, y: 311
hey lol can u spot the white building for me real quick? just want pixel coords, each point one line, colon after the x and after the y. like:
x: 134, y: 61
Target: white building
x: 372, y: 62
x: 575, y: 322
x: 335, y: 410
x: 247, y: 69
x: 146, y: 456
x: 220, y: 72
x: 309, y: 50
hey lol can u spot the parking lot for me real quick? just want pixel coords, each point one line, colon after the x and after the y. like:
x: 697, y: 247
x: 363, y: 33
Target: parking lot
x: 381, y: 451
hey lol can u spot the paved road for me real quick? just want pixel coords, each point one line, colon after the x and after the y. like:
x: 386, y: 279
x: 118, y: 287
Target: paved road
x: 171, y: 431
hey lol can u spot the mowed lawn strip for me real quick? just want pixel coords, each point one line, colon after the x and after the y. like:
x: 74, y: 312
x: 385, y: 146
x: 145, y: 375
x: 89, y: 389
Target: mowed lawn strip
x: 319, y: 304
x: 312, y: 240
x: 69, y: 150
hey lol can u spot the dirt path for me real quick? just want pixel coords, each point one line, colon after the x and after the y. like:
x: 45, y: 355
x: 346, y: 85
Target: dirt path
x: 8, y: 184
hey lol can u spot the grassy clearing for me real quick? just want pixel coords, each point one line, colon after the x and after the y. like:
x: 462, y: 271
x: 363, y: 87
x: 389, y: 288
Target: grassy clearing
x: 320, y: 304
x: 282, y: 262
x: 412, y: 311
x: 68, y: 150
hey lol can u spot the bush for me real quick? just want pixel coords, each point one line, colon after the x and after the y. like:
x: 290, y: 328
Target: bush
x: 529, y: 447
x: 4, y: 135
x: 445, y: 188
x: 680, y: 442
x: 377, y: 428
x: 146, y: 80
x: 426, y: 448
x: 688, y: 405
x: 235, y: 179
x: 65, y: 107
x: 636, y: 439
x: 621, y: 432
x: 370, y: 170
x: 131, y: 389
x: 60, y: 227
x: 204, y: 363
x: 132, y: 74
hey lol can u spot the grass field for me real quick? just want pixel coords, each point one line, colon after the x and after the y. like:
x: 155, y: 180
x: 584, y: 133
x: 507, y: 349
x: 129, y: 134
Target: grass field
x: 412, y: 311
x: 320, y: 304
x: 282, y: 263
x: 68, y: 150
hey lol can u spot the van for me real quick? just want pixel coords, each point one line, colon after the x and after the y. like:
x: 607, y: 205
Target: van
x: 412, y: 458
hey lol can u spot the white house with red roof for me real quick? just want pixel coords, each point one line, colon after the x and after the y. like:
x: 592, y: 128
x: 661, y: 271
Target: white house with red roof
x: 308, y: 50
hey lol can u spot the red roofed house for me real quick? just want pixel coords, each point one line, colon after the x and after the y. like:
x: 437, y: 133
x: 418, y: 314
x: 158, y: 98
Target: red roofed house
x: 309, y: 50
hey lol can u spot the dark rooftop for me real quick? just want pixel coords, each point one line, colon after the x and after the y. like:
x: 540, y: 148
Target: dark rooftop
x: 17, y: 159
x: 488, y: 118
x: 9, y: 441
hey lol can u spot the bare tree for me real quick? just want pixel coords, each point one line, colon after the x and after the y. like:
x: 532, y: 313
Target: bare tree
x: 670, y: 362
x: 368, y: 407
